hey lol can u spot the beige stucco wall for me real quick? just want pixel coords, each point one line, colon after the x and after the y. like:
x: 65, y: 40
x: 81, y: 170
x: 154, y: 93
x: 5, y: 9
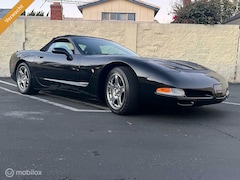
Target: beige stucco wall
x: 119, y: 6
x: 212, y: 46
x: 216, y: 47
x: 11, y: 40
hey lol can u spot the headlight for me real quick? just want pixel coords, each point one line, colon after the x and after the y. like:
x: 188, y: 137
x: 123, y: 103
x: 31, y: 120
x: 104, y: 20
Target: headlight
x: 170, y: 92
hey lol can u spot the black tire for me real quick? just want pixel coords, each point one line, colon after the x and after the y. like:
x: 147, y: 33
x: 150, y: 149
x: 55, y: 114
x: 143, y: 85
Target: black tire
x: 24, y: 79
x: 122, y: 91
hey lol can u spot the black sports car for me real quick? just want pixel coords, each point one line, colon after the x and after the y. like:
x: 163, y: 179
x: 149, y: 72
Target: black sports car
x: 112, y: 73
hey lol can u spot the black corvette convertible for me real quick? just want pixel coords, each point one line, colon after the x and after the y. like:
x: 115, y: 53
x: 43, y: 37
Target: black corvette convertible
x: 105, y: 70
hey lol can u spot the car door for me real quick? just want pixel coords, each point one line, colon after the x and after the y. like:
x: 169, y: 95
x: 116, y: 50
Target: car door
x: 56, y: 70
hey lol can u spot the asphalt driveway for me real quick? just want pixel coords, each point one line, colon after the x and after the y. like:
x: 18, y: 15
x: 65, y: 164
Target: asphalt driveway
x: 62, y: 137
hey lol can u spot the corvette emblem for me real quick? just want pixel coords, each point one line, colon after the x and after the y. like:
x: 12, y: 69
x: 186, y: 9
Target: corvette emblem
x: 218, y: 89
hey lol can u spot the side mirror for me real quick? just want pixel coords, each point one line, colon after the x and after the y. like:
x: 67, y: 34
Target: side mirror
x: 62, y: 51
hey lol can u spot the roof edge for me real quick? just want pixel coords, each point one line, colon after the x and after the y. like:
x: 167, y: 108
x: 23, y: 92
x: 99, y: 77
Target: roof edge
x: 81, y: 7
x: 141, y: 3
x: 233, y: 18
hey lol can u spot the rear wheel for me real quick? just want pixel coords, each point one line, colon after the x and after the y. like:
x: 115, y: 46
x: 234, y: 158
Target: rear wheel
x: 24, y: 81
x: 122, y: 91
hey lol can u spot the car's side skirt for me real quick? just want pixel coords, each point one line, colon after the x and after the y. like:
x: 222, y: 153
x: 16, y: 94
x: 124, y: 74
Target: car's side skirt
x: 72, y: 83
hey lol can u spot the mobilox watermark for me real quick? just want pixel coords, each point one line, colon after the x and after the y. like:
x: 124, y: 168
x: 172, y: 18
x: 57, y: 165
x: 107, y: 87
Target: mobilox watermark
x: 9, y: 172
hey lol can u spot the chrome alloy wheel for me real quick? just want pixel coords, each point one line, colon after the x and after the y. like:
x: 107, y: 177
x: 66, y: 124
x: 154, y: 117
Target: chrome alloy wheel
x: 23, y: 78
x: 116, y: 91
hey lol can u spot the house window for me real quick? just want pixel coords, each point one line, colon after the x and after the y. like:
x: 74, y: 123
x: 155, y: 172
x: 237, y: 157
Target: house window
x: 131, y: 17
x: 123, y: 17
x: 118, y: 16
x: 113, y: 16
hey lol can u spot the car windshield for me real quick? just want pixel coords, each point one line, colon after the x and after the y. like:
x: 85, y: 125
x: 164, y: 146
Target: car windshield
x: 95, y: 46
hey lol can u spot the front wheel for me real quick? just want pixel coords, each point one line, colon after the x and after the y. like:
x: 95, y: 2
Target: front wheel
x: 122, y: 91
x: 24, y: 81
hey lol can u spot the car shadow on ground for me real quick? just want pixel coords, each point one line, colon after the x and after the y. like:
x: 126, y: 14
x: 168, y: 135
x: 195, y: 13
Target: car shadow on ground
x: 168, y: 113
x: 202, y: 114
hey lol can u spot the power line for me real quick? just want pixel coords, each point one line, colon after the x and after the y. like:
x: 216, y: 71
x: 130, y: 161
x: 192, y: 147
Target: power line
x: 68, y: 1
x: 65, y: 2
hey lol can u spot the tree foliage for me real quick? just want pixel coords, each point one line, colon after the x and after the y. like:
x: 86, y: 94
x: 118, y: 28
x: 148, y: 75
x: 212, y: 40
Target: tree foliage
x: 24, y: 13
x: 36, y: 13
x: 205, y: 11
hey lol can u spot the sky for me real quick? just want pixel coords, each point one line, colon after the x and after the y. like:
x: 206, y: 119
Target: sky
x: 71, y: 11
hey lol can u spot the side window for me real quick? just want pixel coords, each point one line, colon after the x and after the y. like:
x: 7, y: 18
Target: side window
x: 82, y: 47
x: 65, y: 45
x: 111, y: 50
x: 90, y: 49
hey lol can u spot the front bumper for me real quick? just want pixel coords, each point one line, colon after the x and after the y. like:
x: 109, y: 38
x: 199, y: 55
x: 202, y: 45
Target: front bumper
x: 195, y: 100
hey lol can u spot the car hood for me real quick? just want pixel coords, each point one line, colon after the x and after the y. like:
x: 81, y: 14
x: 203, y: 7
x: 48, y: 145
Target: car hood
x: 182, y: 74
x: 178, y: 65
